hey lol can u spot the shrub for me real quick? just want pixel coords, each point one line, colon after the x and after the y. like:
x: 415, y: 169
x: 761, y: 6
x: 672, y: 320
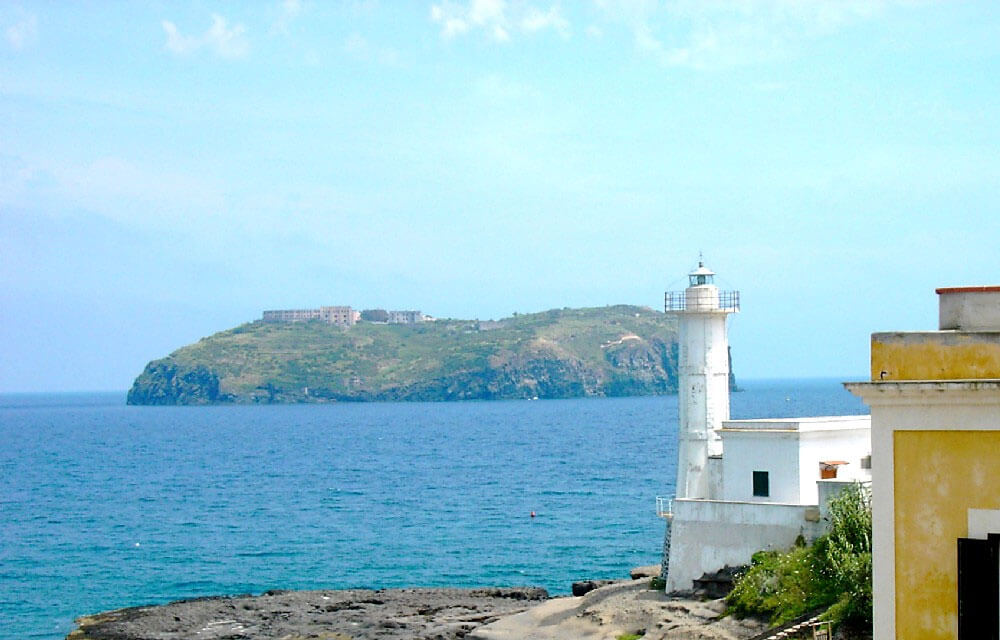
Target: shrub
x: 845, y: 557
x: 834, y: 572
x: 781, y: 586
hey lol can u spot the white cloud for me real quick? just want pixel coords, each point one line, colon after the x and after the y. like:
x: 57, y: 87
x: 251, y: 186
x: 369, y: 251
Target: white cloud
x: 178, y: 43
x: 225, y: 40
x: 23, y: 32
x: 497, y: 19
x: 536, y: 20
x: 703, y: 34
x: 228, y: 42
x: 358, y: 47
x: 289, y: 11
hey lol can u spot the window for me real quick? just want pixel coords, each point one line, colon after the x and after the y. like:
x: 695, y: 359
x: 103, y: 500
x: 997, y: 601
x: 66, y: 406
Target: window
x: 761, y: 485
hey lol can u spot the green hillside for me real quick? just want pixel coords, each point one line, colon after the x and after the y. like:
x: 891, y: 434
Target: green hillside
x: 607, y: 351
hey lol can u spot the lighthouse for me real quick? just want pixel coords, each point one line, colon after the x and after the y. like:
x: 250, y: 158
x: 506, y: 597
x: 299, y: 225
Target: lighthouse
x: 742, y: 485
x: 703, y: 378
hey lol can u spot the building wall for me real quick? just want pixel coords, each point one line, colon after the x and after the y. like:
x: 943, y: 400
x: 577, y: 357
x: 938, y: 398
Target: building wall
x: 969, y: 308
x: 830, y: 488
x: 935, y: 355
x: 343, y: 316
x: 707, y: 535
x: 790, y: 450
x: 935, y: 381
x: 940, y: 476
x: 846, y: 444
x: 714, y: 469
x: 291, y: 315
x: 405, y: 317
x: 775, y: 452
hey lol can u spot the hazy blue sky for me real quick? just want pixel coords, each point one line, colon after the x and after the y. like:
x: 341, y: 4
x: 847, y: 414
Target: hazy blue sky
x: 168, y: 170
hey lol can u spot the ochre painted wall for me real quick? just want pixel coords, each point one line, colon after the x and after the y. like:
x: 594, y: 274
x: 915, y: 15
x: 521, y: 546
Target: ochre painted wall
x: 935, y: 356
x: 939, y: 476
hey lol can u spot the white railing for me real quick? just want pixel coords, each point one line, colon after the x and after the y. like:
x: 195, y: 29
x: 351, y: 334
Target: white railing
x: 664, y: 507
x: 674, y: 301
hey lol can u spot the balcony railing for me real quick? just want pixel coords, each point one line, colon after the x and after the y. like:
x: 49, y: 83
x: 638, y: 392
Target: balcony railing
x: 664, y: 507
x: 679, y: 301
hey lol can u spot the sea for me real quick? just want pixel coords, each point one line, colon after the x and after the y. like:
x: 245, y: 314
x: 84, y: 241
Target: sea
x: 104, y: 505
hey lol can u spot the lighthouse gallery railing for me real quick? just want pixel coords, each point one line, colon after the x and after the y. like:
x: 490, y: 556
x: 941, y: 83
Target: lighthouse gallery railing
x: 678, y: 301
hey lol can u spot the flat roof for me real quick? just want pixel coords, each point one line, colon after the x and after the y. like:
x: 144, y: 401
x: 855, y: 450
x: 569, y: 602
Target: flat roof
x: 807, y: 423
x: 983, y: 289
x: 803, y: 419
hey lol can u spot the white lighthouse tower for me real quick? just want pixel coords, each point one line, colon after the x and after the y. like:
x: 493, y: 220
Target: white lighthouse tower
x: 703, y: 380
x: 742, y: 485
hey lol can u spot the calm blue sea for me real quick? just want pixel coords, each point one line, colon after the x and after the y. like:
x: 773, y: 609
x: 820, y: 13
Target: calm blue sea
x: 105, y: 506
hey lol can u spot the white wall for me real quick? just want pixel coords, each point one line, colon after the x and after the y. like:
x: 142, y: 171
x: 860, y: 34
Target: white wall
x: 714, y: 469
x: 830, y: 489
x: 773, y: 452
x: 847, y: 444
x: 790, y: 450
x: 969, y: 310
x: 703, y: 397
x: 708, y: 535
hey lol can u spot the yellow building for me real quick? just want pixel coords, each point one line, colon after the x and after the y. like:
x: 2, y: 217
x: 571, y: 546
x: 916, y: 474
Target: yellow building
x: 935, y: 406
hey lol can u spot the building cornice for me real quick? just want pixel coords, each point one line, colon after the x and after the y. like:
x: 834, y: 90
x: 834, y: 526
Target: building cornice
x: 880, y: 392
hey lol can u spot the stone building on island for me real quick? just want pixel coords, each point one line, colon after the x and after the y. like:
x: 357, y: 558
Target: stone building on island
x: 405, y: 317
x: 343, y: 316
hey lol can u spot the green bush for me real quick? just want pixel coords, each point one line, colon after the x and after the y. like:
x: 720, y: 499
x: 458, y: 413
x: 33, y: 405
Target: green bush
x: 781, y: 586
x: 845, y: 556
x: 834, y: 572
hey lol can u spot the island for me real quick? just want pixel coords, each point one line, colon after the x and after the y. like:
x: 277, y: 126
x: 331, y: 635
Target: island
x: 619, y: 350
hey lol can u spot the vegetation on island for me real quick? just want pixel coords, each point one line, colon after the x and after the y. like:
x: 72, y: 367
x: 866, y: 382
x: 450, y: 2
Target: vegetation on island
x: 835, y: 572
x: 563, y: 353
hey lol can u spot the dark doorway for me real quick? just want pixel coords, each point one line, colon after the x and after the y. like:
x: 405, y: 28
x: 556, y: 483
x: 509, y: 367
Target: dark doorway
x: 979, y: 588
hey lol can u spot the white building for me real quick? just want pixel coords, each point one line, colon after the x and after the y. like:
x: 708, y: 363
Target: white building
x: 405, y: 317
x: 340, y: 315
x: 743, y: 485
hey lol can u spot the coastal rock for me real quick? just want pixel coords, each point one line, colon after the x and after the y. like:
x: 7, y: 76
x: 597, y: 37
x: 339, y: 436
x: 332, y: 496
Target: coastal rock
x: 605, y: 613
x: 718, y: 584
x: 164, y: 382
x: 622, y: 608
x: 386, y: 614
x: 649, y: 571
x: 586, y: 586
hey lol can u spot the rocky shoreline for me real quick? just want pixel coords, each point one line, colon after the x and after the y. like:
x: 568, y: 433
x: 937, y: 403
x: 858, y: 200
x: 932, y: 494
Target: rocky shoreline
x: 517, y: 613
x: 354, y: 614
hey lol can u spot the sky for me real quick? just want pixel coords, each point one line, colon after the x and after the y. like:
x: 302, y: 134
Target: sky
x: 171, y: 169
